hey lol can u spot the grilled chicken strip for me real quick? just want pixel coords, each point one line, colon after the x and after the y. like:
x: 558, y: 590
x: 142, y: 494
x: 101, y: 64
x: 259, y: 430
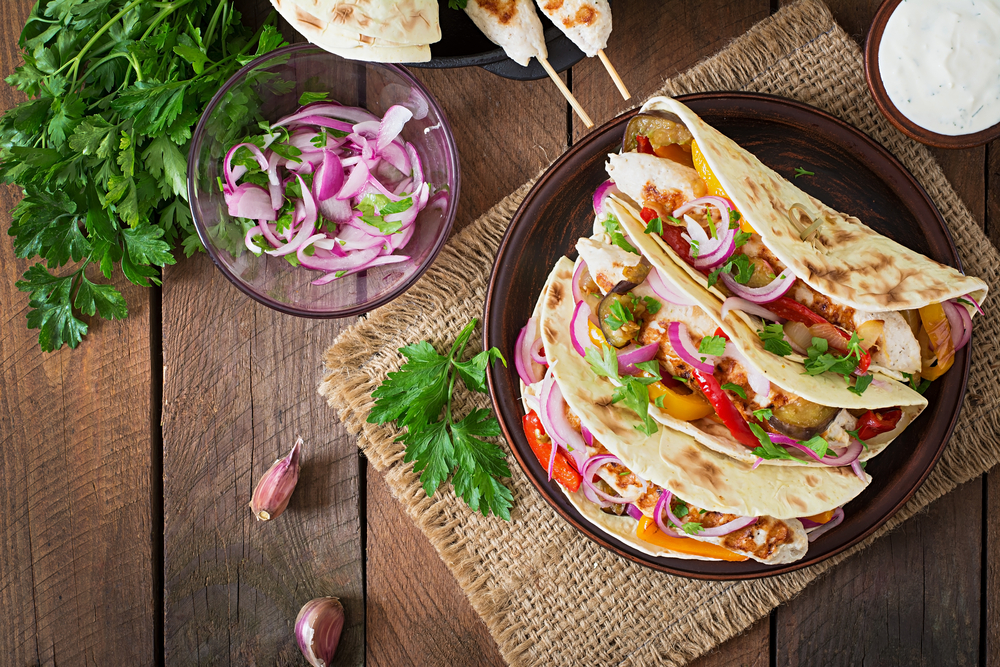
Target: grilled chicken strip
x: 511, y: 24
x: 587, y: 23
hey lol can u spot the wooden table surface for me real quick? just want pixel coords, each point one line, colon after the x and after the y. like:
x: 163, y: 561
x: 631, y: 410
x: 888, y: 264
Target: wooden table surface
x: 126, y: 465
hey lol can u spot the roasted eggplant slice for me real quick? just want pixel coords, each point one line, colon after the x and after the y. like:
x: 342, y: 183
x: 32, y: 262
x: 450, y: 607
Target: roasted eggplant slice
x: 802, y: 419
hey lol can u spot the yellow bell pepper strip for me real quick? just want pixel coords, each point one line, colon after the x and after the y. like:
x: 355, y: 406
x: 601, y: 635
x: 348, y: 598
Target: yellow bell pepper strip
x: 686, y: 407
x: 596, y: 335
x: 648, y: 532
x: 938, y: 330
x: 712, y: 181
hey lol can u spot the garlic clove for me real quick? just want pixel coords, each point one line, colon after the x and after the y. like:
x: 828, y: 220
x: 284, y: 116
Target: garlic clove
x: 274, y: 490
x: 317, y: 629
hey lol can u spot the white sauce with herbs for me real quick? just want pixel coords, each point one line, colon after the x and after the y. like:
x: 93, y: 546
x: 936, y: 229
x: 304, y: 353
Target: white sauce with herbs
x: 940, y: 63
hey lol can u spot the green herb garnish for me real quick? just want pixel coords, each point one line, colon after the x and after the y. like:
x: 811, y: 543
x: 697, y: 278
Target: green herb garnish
x: 614, y: 230
x: 654, y: 226
x: 773, y: 337
x: 799, y: 171
x: 652, y: 305
x: 736, y: 389
x: 712, y: 345
x: 763, y: 414
x: 415, y: 396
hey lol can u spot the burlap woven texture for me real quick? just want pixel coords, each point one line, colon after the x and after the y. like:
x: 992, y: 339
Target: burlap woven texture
x: 548, y: 595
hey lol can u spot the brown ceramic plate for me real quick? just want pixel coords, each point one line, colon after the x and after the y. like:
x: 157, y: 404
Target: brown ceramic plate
x: 852, y: 174
x: 885, y: 105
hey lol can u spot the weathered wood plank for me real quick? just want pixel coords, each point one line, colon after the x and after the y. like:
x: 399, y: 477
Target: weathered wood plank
x: 239, y: 386
x: 912, y: 598
x: 652, y: 42
x: 76, y: 568
x: 750, y: 649
x: 415, y: 620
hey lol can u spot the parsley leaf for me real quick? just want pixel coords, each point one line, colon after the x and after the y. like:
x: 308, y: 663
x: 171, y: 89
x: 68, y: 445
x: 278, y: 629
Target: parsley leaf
x: 681, y: 509
x: 618, y: 316
x: 773, y: 337
x: 799, y: 171
x: 742, y: 238
x: 658, y: 401
x: 375, y: 206
x: 632, y: 392
x: 763, y: 414
x: 740, y: 264
x: 614, y: 230
x: 414, y: 397
x: 712, y: 345
x: 692, y: 528
x: 309, y: 98
x: 680, y: 379
x: 736, y: 389
x: 820, y: 361
x: 457, y: 4
x: 861, y: 383
x: 100, y: 147
x: 603, y: 363
x: 768, y: 450
x: 817, y: 444
x: 652, y: 305
x: 654, y: 226
x: 734, y: 219
x: 652, y: 367
x: 695, y: 248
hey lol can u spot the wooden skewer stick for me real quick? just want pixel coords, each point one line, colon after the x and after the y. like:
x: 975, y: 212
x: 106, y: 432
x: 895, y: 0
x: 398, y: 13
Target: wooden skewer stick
x: 566, y: 93
x: 614, y: 74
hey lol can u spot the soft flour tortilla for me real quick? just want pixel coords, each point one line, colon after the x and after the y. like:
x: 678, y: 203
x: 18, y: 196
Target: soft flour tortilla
x: 786, y: 372
x: 845, y: 260
x: 322, y: 35
x: 380, y: 23
x: 672, y: 459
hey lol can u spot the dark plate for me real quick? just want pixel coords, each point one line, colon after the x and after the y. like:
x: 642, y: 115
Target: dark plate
x: 463, y: 45
x: 853, y: 174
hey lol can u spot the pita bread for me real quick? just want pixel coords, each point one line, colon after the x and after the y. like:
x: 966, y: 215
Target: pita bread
x: 320, y: 34
x: 378, y: 23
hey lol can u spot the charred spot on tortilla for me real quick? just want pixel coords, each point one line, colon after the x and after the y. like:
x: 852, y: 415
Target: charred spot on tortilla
x: 308, y: 19
x: 584, y: 16
x: 550, y: 331
x: 704, y: 472
x: 503, y: 10
x: 555, y: 297
x: 812, y: 480
x: 822, y: 496
x: 553, y: 5
x: 754, y: 194
x: 797, y: 503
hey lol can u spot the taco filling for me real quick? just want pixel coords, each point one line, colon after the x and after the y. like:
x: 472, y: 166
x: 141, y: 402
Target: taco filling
x: 684, y: 204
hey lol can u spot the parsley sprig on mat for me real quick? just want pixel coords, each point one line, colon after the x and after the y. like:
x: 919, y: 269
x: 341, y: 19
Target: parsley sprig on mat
x: 414, y: 397
x: 101, y: 148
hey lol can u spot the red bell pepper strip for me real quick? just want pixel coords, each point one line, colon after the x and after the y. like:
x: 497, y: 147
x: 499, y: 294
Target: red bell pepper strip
x: 875, y: 422
x: 643, y: 145
x: 541, y: 445
x: 648, y: 214
x: 672, y: 235
x: 720, y: 332
x: 793, y: 310
x: 730, y: 416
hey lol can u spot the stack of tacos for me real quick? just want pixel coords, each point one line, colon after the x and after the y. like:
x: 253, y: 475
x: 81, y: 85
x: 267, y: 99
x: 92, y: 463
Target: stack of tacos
x: 710, y: 377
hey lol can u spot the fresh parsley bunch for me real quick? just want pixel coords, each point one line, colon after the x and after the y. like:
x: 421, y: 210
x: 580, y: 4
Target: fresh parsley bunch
x: 100, y: 149
x: 414, y: 397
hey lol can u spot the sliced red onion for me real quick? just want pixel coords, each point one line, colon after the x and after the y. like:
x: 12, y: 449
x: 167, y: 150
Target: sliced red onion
x: 577, y: 291
x: 393, y: 120
x: 554, y: 419
x: 634, y: 512
x: 378, y: 261
x: 667, y: 291
x: 664, y: 502
x: 858, y: 470
x: 250, y: 201
x: 355, y: 260
x: 248, y: 239
x: 536, y: 353
x: 757, y: 381
x: 329, y: 178
x: 400, y: 239
x: 848, y: 457
x: 367, y: 129
x: 975, y: 303
x: 322, y: 121
x: 590, y: 468
x: 274, y: 183
x: 770, y: 292
x: 579, y: 331
x: 396, y: 155
x: 726, y: 528
x: 355, y: 182
x: 588, y: 437
x: 677, y: 332
x: 723, y: 205
x: 711, y: 252
x: 627, y: 359
x: 835, y: 520
x: 336, y: 210
x: 308, y: 224
x: 227, y: 167
x: 748, y: 307
x: 522, y: 354
x: 603, y: 191
x: 757, y: 463
x: 418, y: 169
x: 960, y: 322
x: 531, y: 402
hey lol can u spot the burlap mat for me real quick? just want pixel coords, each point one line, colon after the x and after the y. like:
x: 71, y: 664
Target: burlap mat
x: 548, y: 595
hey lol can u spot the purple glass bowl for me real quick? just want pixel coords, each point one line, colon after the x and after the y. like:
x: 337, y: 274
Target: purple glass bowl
x: 269, y: 88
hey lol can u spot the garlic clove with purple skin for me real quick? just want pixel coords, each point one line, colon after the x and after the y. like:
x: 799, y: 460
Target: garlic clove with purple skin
x: 274, y: 490
x: 317, y: 629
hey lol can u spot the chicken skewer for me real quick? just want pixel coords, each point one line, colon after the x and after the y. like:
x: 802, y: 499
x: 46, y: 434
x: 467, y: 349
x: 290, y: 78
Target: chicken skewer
x: 514, y: 25
x: 587, y: 23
